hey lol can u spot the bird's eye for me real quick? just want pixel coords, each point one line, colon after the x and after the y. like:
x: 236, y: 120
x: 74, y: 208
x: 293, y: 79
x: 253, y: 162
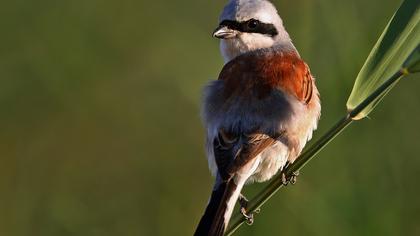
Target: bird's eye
x: 252, y: 24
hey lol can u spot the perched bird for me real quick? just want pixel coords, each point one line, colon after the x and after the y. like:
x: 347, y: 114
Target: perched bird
x: 260, y: 112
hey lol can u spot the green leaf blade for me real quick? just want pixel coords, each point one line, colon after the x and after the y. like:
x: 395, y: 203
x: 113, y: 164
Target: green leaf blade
x: 399, y: 39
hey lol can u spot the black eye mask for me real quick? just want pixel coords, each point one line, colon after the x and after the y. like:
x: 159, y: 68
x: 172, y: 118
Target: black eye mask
x: 251, y: 26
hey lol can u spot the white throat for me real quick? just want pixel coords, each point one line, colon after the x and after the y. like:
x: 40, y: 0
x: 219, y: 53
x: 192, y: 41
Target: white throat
x: 232, y: 48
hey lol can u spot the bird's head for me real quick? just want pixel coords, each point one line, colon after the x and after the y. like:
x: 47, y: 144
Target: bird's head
x: 247, y: 25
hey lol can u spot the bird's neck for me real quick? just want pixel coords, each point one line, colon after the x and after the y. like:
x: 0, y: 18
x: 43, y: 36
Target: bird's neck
x: 230, y: 49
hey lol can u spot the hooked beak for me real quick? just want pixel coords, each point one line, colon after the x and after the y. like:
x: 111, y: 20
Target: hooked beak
x: 223, y: 32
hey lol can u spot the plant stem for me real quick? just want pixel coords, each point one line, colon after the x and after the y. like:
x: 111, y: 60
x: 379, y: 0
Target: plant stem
x: 263, y: 196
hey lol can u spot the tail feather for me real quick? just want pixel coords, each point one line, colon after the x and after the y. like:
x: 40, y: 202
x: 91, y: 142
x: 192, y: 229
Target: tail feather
x: 218, y: 211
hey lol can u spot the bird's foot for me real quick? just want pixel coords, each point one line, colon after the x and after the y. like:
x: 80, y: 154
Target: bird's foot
x: 292, y: 179
x: 249, y: 217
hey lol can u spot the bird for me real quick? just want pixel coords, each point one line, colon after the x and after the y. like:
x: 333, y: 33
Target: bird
x: 260, y: 112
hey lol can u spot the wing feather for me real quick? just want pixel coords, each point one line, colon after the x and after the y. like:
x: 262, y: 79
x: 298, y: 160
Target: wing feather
x: 231, y: 156
x: 248, y: 74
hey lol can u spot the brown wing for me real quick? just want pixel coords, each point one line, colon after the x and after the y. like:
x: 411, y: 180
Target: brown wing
x: 290, y: 73
x: 260, y: 74
x: 235, y: 151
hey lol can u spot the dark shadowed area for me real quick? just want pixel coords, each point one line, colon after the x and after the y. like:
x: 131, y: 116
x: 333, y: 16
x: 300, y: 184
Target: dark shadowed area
x: 101, y: 132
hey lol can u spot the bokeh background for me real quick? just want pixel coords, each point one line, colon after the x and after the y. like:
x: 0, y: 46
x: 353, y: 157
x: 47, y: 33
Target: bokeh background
x: 100, y: 132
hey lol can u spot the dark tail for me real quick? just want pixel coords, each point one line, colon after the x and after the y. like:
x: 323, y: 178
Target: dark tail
x: 218, y: 211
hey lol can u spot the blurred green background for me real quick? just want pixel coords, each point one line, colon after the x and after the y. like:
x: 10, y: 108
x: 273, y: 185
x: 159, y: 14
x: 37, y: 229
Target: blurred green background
x: 100, y: 132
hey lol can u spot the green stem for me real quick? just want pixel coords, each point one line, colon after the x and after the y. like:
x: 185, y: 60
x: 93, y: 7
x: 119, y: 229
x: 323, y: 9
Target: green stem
x: 275, y: 184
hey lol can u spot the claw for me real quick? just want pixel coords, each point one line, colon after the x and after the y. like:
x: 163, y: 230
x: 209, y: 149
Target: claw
x: 248, y: 217
x: 294, y: 176
x: 285, y: 181
x: 243, y: 202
